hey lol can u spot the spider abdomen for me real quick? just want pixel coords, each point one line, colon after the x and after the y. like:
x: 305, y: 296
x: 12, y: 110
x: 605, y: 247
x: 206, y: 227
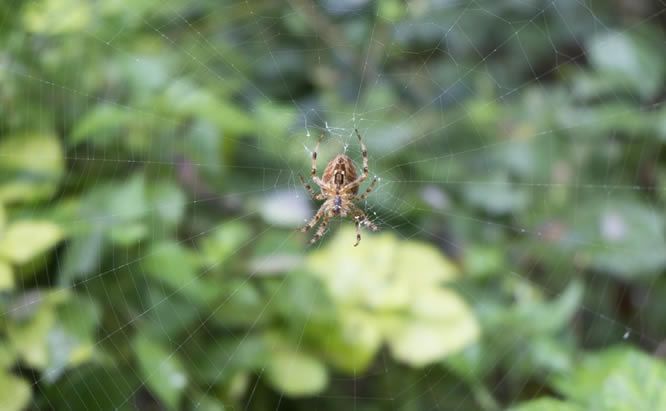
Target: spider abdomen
x: 340, y: 171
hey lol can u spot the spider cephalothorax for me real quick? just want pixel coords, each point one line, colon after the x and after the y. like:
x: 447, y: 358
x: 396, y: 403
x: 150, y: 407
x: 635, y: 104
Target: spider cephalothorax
x: 339, y: 187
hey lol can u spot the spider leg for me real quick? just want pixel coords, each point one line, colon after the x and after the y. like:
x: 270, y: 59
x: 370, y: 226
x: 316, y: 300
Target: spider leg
x: 369, y: 224
x: 313, y: 220
x: 313, y: 168
x: 320, y: 230
x: 308, y: 187
x: 363, y: 220
x: 364, y: 154
x: 358, y: 233
x: 369, y: 189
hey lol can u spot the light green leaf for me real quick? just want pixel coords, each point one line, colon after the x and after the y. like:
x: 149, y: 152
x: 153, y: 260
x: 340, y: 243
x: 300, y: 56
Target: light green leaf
x: 14, y: 392
x: 6, y: 276
x: 423, y: 264
x: 28, y: 239
x: 440, y: 324
x: 391, y: 291
x: 162, y: 370
x: 296, y: 373
x: 31, y: 167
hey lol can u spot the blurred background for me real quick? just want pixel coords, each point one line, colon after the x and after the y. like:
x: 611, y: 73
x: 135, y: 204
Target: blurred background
x: 150, y: 200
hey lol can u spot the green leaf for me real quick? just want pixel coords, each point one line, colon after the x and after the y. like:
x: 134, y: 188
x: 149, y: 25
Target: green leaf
x: 128, y: 234
x: 623, y: 238
x: 547, y: 404
x: 128, y: 201
x: 167, y: 201
x: 102, y: 125
x: 243, y: 304
x: 296, y: 373
x: 539, y: 317
x: 224, y: 241
x: 82, y: 257
x: 496, y: 196
x: 6, y: 277
x: 31, y: 167
x: 616, y: 379
x: 220, y: 361
x: 71, y: 340
x: 14, y: 392
x: 93, y: 387
x: 25, y: 240
x: 635, y: 56
x: 172, y: 264
x: 186, y: 98
x: 162, y: 370
x: 207, y: 403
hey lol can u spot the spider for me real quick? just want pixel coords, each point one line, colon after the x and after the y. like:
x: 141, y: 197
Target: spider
x: 339, y: 187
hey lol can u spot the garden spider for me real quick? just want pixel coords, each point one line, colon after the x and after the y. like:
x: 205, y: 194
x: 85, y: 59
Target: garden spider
x: 339, y: 187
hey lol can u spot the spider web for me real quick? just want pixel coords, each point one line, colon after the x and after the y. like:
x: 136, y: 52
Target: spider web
x: 414, y: 146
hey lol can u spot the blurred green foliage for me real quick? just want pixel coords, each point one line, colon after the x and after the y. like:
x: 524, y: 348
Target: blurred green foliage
x: 148, y: 200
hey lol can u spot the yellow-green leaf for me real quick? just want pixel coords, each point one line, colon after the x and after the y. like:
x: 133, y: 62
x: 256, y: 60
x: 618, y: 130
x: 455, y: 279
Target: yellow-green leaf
x: 31, y: 167
x: 440, y: 324
x: 391, y: 291
x: 6, y: 276
x: 3, y: 219
x: 30, y: 339
x: 356, y: 342
x: 296, y: 373
x: 14, y: 392
x: 57, y: 16
x: 25, y: 240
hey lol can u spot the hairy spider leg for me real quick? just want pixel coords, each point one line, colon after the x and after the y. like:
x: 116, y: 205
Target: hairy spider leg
x: 315, y: 196
x: 358, y: 232
x: 320, y: 230
x: 313, y: 169
x: 313, y: 220
x: 361, y: 220
x: 364, y: 154
x: 369, y: 189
